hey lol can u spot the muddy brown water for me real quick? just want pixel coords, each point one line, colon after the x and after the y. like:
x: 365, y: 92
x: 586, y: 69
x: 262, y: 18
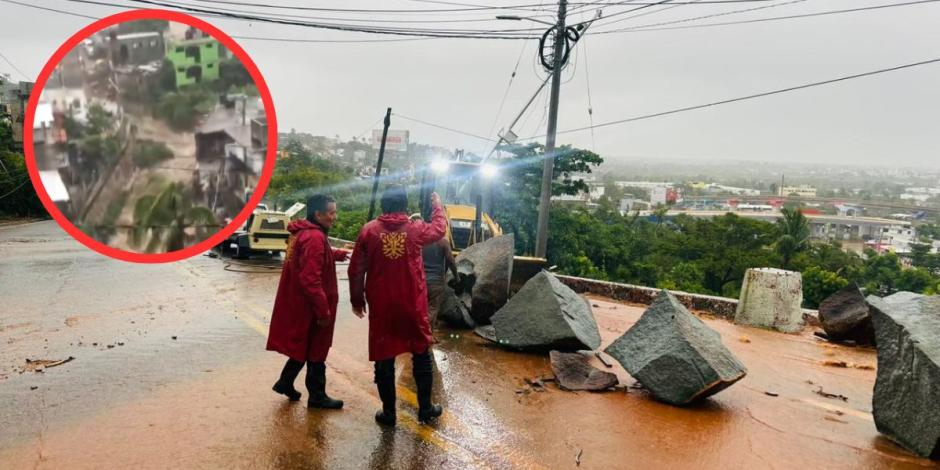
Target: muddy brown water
x: 203, y: 400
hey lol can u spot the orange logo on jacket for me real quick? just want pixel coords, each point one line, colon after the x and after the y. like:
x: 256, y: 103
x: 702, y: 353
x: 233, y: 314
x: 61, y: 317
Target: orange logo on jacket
x: 290, y: 248
x: 393, y: 244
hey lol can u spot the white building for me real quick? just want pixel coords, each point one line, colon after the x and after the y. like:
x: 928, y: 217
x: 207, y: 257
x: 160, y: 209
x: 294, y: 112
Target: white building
x: 802, y: 190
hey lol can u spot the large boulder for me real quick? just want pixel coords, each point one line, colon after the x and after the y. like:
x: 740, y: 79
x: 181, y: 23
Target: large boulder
x: 674, y: 355
x: 771, y: 298
x: 845, y: 316
x: 485, y: 271
x: 545, y: 314
x: 906, y: 401
x: 453, y: 311
x: 573, y: 371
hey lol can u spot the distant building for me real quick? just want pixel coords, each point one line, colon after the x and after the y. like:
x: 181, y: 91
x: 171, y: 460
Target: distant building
x: 69, y: 101
x: 660, y: 196
x: 849, y: 210
x: 802, y: 190
x: 643, y: 184
x: 13, y: 99
x: 136, y: 48
x: 631, y: 204
x: 230, y: 151
x: 195, y: 58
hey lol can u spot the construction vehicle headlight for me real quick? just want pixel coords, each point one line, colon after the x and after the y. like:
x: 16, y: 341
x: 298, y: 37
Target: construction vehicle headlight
x: 440, y: 166
x: 488, y: 171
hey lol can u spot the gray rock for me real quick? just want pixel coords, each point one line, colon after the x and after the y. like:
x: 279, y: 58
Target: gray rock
x: 486, y: 270
x: 546, y: 314
x: 902, y: 297
x: 674, y: 355
x: 574, y: 372
x: 845, y: 316
x: 453, y: 311
x: 906, y: 401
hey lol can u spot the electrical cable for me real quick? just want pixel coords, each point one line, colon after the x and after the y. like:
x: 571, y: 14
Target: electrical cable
x: 652, y: 27
x: 17, y: 69
x: 587, y: 80
x: 748, y: 97
x: 714, y: 15
x: 421, y: 32
x: 26, y: 180
x: 444, y: 128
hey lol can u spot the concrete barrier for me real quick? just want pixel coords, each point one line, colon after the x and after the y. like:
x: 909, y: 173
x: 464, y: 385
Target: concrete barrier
x: 718, y: 306
x: 771, y: 298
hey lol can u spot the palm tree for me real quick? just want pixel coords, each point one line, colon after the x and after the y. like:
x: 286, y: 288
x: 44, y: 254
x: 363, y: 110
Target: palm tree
x: 794, y: 234
x: 170, y: 220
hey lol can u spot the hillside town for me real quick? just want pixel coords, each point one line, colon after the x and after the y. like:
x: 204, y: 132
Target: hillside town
x: 142, y: 114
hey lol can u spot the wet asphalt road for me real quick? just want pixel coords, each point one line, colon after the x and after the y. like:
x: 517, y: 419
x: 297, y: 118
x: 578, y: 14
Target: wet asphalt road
x: 203, y: 399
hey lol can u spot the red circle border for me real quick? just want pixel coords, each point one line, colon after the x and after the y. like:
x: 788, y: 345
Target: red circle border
x: 270, y: 154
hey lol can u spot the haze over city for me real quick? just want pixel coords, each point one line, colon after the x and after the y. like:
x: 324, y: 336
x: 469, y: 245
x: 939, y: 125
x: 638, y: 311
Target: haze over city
x: 342, y: 88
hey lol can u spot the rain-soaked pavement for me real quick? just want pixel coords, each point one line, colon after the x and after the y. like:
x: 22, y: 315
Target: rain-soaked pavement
x: 170, y: 371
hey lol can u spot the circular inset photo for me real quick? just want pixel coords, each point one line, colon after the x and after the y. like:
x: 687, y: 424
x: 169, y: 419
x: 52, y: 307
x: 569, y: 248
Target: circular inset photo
x: 151, y: 136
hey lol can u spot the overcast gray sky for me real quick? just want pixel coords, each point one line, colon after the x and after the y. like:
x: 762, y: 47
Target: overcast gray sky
x: 343, y: 88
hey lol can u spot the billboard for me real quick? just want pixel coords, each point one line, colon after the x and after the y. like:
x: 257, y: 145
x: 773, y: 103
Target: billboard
x: 396, y: 140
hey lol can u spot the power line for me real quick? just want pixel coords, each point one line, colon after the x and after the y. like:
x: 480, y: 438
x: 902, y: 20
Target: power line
x: 421, y: 32
x: 71, y: 13
x: 17, y: 69
x: 488, y: 19
x: 587, y: 80
x: 655, y: 26
x: 25, y: 180
x: 371, y: 10
x: 444, y: 128
x: 252, y: 38
x: 748, y: 97
x: 330, y: 41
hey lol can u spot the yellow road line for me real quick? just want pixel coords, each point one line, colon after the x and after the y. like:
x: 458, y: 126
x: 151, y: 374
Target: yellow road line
x: 426, y: 433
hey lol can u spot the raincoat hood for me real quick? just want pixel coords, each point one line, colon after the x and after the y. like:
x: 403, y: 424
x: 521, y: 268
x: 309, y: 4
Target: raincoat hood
x: 393, y: 221
x: 303, y: 224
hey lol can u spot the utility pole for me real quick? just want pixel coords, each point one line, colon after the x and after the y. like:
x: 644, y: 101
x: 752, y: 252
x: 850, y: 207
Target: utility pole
x: 378, y: 165
x: 548, y: 168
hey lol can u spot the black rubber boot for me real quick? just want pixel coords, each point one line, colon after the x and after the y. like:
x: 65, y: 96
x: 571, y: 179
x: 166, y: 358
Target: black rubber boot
x: 424, y: 382
x: 385, y: 382
x: 316, y: 386
x: 285, y: 384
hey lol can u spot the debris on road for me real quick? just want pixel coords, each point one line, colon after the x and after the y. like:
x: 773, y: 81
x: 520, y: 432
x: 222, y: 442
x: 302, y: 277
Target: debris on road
x: 675, y: 355
x: 39, y: 365
x: 597, y: 354
x: 771, y: 394
x: 577, y: 458
x: 537, y: 384
x: 904, y: 405
x: 574, y: 372
x: 819, y: 391
x: 847, y: 365
x: 771, y: 298
x: 485, y: 273
x: 834, y: 419
x: 744, y: 339
x: 544, y: 314
x: 845, y: 316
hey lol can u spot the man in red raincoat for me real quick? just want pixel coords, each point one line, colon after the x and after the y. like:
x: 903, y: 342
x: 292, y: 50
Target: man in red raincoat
x: 305, y: 306
x: 387, y: 272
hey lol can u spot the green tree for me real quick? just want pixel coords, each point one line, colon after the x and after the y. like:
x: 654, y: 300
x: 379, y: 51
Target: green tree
x: 915, y: 280
x: 170, y: 220
x: 794, y: 234
x: 818, y: 284
x: 521, y: 178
